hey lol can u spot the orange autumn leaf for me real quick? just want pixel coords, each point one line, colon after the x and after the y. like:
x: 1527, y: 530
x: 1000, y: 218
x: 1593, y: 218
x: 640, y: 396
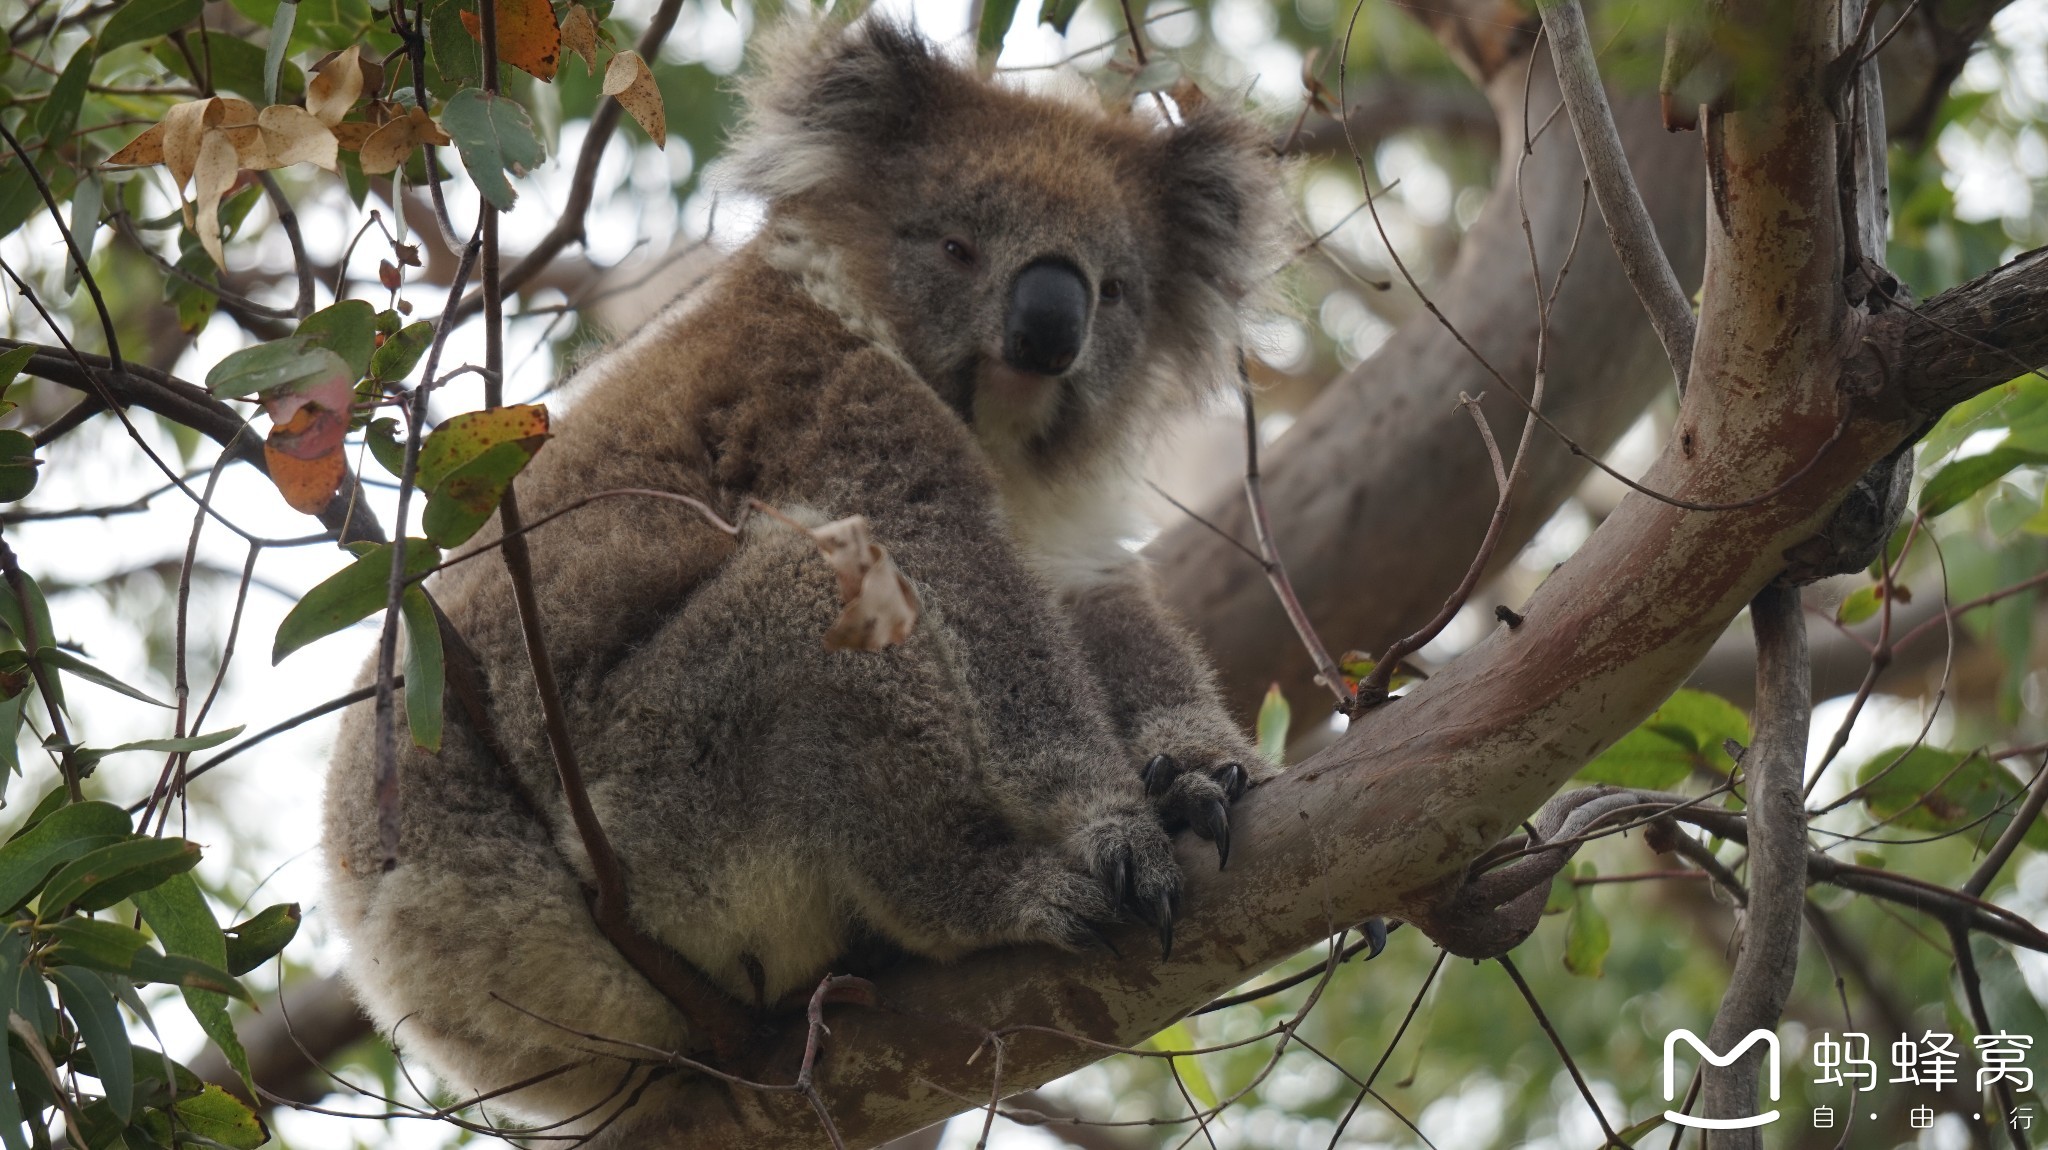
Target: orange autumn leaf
x: 306, y: 484
x: 528, y: 37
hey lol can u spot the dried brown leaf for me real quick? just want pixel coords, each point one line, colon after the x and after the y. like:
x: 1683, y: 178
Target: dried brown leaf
x: 336, y: 86
x: 142, y: 151
x: 212, y: 175
x: 295, y: 136
x: 881, y: 607
x: 627, y: 80
x: 352, y: 134
x: 579, y: 35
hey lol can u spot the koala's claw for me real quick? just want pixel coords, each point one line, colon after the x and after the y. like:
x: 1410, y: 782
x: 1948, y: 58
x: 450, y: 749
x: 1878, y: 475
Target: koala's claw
x: 1212, y: 822
x: 1194, y: 799
x: 1233, y: 779
x: 1158, y: 775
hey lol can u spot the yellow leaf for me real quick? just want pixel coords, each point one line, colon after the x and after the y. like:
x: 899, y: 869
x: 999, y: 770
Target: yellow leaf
x: 528, y: 37
x: 142, y: 151
x: 336, y: 86
x: 295, y: 136
x: 579, y: 35
x: 212, y: 175
x: 628, y: 81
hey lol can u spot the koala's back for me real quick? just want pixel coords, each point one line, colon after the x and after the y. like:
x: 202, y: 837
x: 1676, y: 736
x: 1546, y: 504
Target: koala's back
x: 723, y: 745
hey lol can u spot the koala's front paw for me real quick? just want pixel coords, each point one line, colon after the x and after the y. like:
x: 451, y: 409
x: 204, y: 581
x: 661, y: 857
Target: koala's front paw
x: 1129, y: 855
x: 1188, y: 795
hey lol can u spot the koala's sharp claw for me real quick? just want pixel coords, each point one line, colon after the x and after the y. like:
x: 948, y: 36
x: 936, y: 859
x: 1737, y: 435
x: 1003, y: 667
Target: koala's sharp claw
x: 1233, y: 779
x: 1165, y: 912
x: 1376, y: 936
x: 1157, y: 775
x: 1212, y: 822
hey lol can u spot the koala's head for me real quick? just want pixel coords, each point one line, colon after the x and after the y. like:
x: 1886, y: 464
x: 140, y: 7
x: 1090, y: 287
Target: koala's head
x: 1059, y: 274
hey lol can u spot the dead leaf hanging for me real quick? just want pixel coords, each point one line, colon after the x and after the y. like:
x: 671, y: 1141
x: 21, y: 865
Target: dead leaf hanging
x: 579, y: 35
x: 881, y: 607
x: 627, y: 80
x: 336, y: 86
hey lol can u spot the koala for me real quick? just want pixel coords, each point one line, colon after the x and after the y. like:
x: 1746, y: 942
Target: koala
x: 966, y: 310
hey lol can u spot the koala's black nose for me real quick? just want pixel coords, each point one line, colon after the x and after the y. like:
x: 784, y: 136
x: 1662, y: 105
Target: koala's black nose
x: 1048, y: 318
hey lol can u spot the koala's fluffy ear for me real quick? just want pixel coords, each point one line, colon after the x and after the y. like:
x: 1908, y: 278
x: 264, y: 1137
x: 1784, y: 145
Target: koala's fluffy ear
x: 1221, y: 194
x: 827, y: 99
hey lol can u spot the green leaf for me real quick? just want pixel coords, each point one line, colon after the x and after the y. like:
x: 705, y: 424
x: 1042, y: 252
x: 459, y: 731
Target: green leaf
x: 98, y: 1016
x: 458, y: 58
x: 348, y: 329
x: 261, y: 938
x: 996, y: 16
x: 466, y: 498
x: 495, y: 136
x: 178, y: 913
x: 1965, y: 477
x: 463, y: 438
x: 11, y: 363
x: 37, y: 618
x: 385, y: 447
x: 401, y: 353
x: 350, y: 595
x: 275, y: 52
x: 13, y: 952
x: 1684, y: 734
x: 92, y: 942
x: 145, y: 20
x: 166, y: 746
x: 269, y: 366
x: 1274, y: 718
x: 425, y: 677
x: 1586, y: 937
x: 18, y: 464
x: 66, y: 661
x: 59, y: 112
x: 198, y: 980
x: 85, y: 226
x: 100, y: 878
x: 1196, y: 1079
x: 216, y: 1115
x: 63, y: 835
x: 1057, y: 13
x: 1937, y: 790
x: 1859, y: 605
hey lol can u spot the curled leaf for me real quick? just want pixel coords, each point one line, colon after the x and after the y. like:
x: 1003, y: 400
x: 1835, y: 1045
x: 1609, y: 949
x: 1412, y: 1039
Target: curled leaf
x: 336, y: 86
x: 881, y: 607
x: 213, y: 175
x: 627, y: 80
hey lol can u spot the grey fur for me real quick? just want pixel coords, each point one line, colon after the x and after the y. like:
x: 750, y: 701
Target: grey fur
x: 775, y: 803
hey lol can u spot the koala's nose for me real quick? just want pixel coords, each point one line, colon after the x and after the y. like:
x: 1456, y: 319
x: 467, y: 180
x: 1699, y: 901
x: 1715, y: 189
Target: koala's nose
x: 1048, y: 318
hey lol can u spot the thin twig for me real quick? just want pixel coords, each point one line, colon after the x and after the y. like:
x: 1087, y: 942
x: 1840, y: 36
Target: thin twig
x: 1327, y: 670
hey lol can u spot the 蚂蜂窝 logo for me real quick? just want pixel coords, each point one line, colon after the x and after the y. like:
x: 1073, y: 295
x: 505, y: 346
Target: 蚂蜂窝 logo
x: 1707, y: 1053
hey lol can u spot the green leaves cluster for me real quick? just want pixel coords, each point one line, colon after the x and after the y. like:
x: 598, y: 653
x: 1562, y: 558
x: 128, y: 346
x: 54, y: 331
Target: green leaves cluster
x: 1683, y: 737
x: 70, y: 980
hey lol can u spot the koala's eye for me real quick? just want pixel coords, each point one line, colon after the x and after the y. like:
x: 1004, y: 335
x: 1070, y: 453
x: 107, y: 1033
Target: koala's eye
x: 959, y: 252
x: 1112, y: 290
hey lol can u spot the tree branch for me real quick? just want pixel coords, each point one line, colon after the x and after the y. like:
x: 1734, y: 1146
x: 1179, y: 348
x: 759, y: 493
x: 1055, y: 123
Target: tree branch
x: 1629, y: 225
